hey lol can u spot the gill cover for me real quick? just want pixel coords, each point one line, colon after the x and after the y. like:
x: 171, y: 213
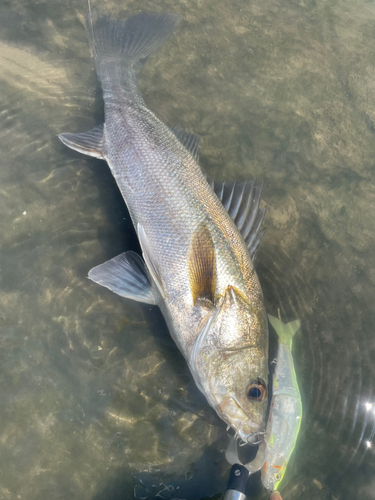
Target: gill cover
x: 226, y: 357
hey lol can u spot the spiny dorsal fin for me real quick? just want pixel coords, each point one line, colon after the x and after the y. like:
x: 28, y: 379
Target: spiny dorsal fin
x: 89, y: 143
x: 241, y: 201
x: 202, y: 265
x: 189, y: 141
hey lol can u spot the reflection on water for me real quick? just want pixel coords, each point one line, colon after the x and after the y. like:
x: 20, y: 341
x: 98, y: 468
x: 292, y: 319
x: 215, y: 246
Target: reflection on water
x: 96, y: 400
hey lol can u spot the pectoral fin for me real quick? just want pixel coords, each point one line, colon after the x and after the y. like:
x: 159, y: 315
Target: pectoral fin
x: 89, y: 143
x: 126, y: 276
x: 202, y: 266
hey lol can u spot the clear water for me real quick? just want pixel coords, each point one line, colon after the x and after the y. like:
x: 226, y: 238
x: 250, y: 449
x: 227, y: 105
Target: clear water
x: 96, y: 401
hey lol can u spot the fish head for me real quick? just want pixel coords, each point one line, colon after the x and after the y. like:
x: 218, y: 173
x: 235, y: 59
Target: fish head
x: 273, y: 471
x: 232, y: 365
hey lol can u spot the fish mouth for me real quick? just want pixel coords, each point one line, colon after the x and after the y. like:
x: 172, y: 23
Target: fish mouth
x: 248, y: 431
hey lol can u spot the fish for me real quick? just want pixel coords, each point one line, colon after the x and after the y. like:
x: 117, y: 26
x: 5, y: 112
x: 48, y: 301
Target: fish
x: 198, y: 237
x: 285, y: 416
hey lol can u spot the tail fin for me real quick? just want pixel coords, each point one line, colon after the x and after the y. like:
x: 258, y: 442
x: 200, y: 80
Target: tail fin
x: 121, y: 47
x: 285, y: 332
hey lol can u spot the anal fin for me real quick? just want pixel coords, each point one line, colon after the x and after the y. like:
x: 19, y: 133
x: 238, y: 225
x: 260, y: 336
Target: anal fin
x: 89, y: 143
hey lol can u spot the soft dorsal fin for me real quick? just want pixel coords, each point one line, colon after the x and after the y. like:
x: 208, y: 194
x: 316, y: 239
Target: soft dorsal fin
x: 189, y: 141
x: 241, y: 201
x: 89, y: 143
x: 126, y: 276
x: 202, y: 265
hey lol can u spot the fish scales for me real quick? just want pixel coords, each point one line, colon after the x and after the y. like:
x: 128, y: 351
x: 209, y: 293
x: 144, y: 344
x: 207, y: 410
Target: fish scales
x: 145, y: 160
x: 201, y: 273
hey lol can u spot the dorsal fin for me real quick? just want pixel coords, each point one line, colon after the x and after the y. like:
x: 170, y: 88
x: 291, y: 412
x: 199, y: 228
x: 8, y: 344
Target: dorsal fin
x: 241, y: 201
x: 189, y: 141
x: 202, y: 265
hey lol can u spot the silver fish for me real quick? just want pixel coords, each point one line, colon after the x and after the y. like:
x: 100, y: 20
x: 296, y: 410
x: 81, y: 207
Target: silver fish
x: 196, y: 245
x: 286, y: 408
x: 285, y: 416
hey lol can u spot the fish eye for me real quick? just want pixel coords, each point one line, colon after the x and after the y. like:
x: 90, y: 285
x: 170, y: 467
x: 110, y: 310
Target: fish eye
x: 256, y: 390
x: 277, y: 477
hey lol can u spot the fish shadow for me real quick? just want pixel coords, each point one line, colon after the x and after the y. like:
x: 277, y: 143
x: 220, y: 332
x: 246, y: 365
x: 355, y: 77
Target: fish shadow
x: 199, y: 481
x: 206, y: 479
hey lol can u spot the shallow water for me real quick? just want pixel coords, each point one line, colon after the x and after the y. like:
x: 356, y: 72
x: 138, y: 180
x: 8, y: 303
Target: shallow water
x: 96, y: 401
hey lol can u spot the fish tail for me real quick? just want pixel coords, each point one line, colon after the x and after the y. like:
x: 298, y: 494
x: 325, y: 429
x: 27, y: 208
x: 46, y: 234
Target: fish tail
x: 121, y: 47
x: 285, y: 332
